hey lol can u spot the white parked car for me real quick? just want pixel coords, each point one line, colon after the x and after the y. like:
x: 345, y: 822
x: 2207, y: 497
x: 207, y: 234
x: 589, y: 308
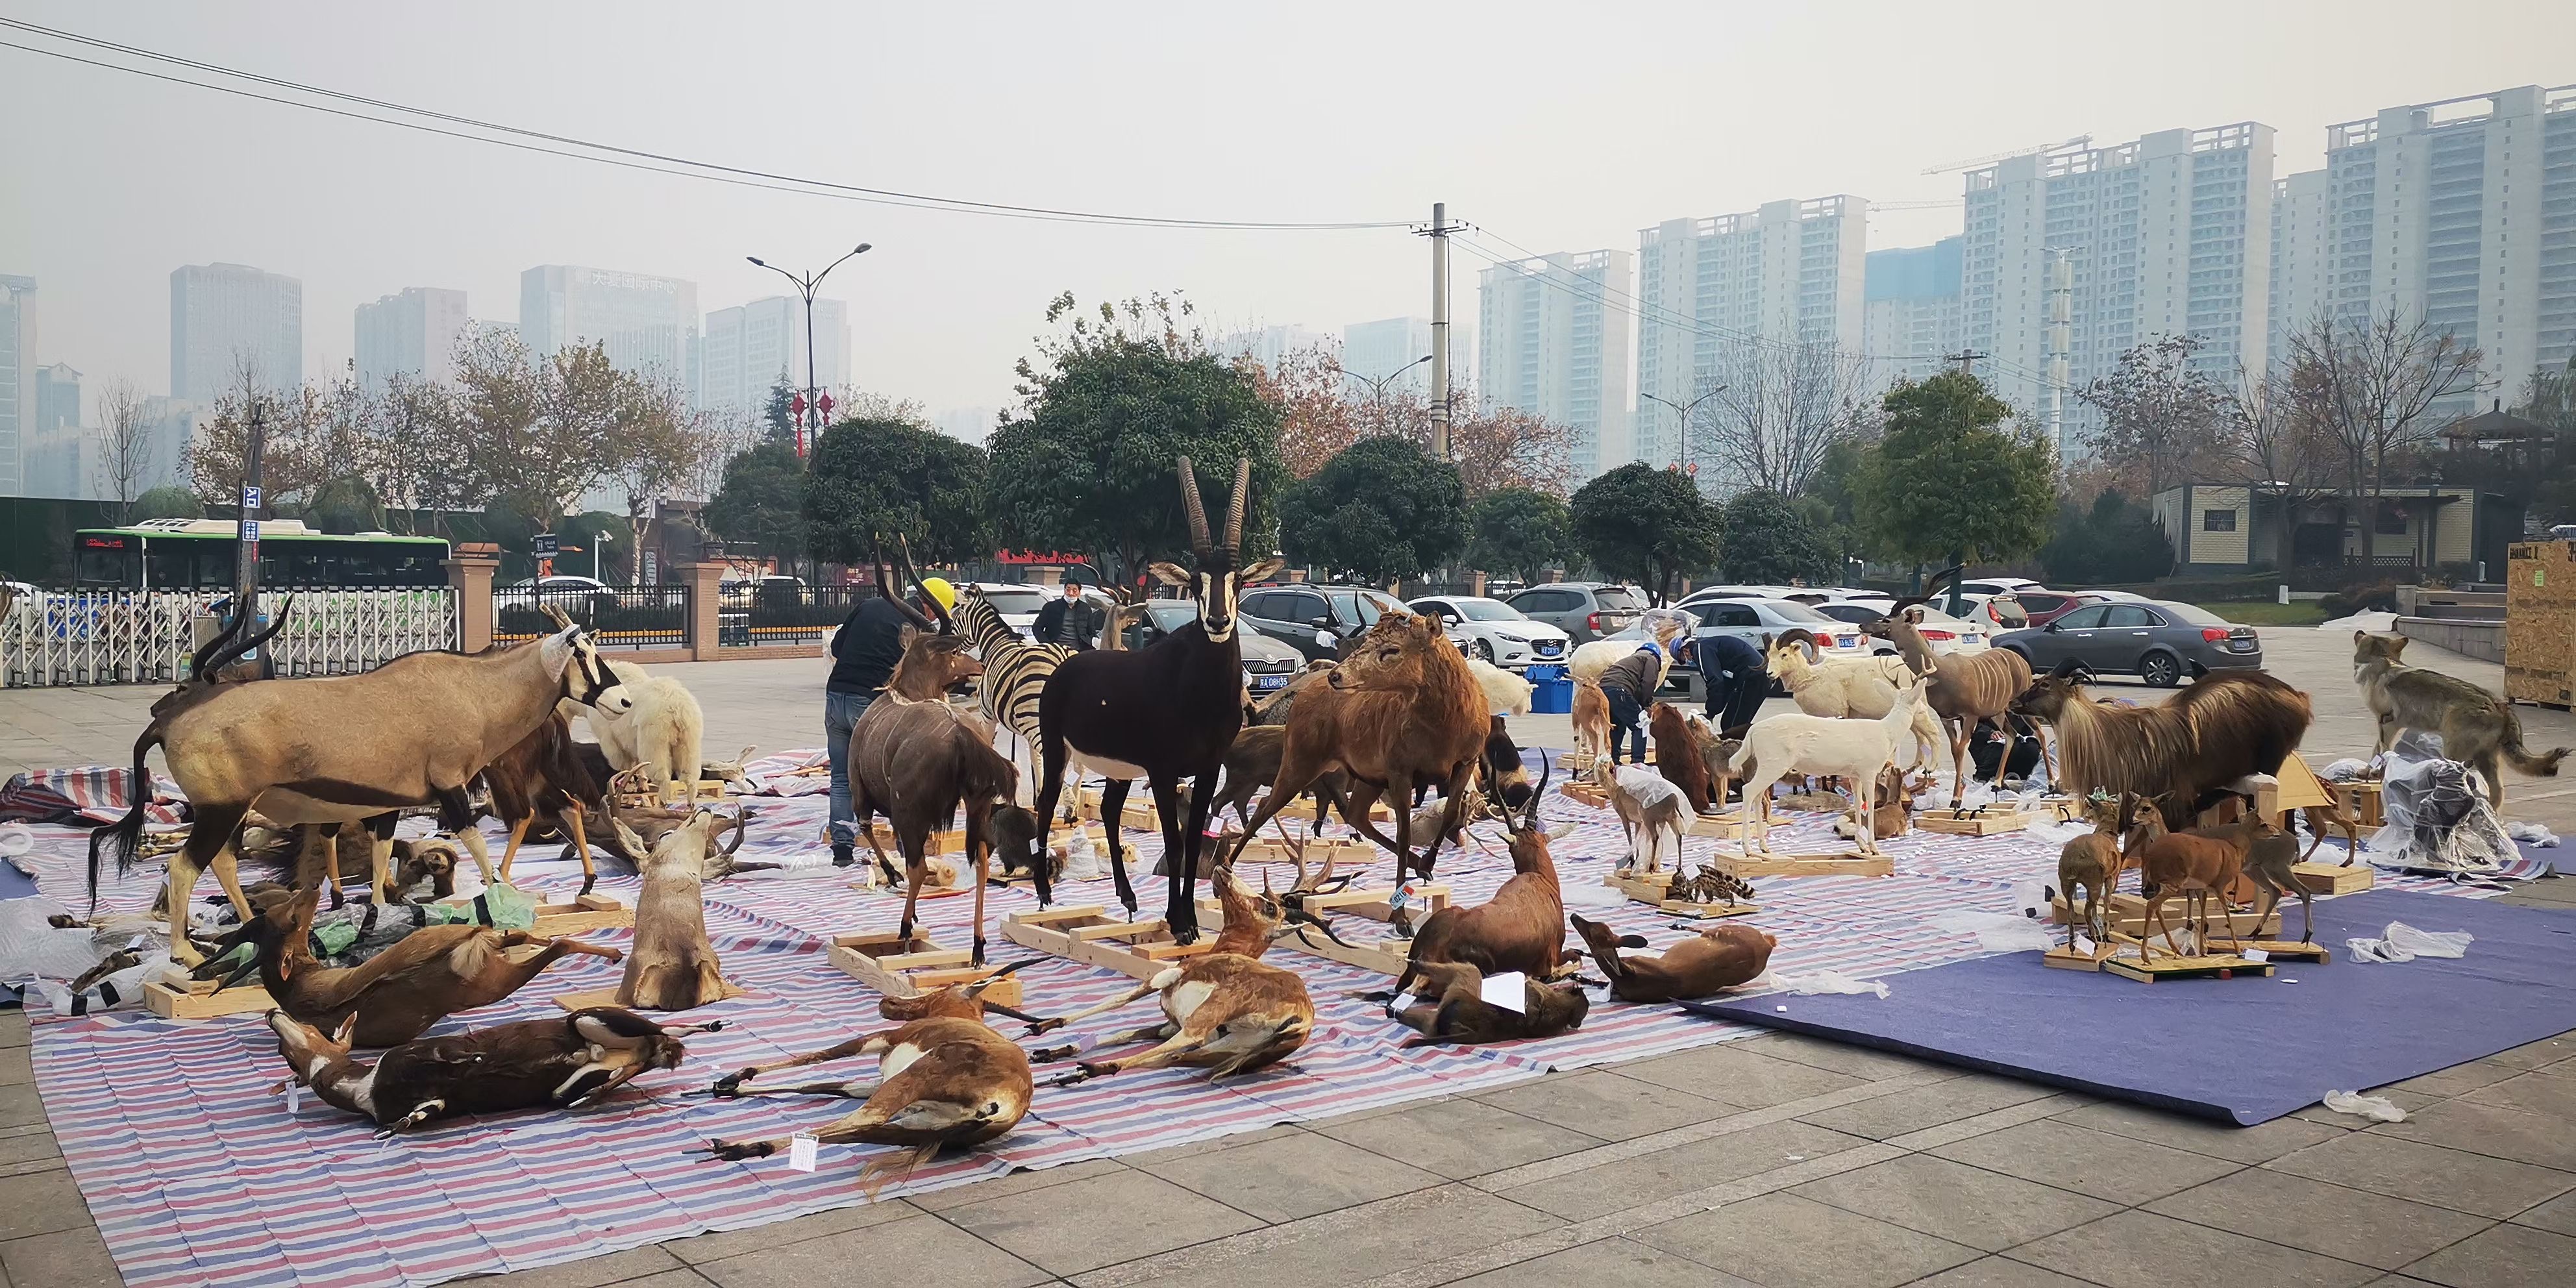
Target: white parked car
x: 1946, y: 634
x: 1496, y: 632
x: 1018, y: 603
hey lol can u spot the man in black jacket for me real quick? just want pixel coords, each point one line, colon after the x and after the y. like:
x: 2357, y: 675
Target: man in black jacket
x: 864, y: 652
x: 1071, y: 621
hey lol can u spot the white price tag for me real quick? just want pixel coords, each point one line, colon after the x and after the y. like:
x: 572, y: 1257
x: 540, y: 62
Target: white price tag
x: 1401, y: 1001
x: 2255, y: 955
x: 2084, y: 943
x: 800, y: 1152
x: 294, y: 1097
x: 1507, y: 990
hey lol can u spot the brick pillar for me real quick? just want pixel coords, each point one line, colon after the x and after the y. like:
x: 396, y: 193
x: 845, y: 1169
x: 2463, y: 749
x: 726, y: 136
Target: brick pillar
x: 1477, y: 582
x: 705, y: 582
x: 469, y: 573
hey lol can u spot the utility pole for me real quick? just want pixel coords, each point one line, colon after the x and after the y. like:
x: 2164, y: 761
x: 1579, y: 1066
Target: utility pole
x: 1440, y: 329
x: 2061, y: 318
x: 246, y: 531
x: 1967, y: 360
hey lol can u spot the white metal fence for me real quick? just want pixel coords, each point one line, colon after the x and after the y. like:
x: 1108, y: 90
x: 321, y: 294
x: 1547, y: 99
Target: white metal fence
x: 63, y: 637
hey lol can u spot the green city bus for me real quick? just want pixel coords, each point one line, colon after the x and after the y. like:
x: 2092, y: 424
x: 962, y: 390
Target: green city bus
x: 200, y: 554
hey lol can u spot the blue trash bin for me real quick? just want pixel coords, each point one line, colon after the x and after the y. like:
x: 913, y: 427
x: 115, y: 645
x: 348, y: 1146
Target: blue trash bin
x: 1551, y: 691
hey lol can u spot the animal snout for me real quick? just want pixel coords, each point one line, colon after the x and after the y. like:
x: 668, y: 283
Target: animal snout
x: 615, y: 701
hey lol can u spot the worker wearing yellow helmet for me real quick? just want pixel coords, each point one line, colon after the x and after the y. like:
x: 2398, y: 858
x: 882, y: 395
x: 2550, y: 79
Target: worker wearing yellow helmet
x: 864, y: 652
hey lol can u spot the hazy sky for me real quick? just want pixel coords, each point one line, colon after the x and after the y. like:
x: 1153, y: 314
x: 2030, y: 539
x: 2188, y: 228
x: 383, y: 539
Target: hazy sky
x: 1560, y: 127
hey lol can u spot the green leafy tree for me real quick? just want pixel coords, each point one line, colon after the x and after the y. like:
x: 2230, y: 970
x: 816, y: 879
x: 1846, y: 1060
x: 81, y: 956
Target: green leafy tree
x: 1381, y: 509
x: 1521, y: 531
x: 776, y: 416
x: 1951, y: 481
x: 1090, y: 465
x: 1771, y: 541
x: 345, y: 504
x: 2113, y: 541
x: 1648, y: 524
x: 884, y: 478
x: 168, y: 501
x: 761, y: 500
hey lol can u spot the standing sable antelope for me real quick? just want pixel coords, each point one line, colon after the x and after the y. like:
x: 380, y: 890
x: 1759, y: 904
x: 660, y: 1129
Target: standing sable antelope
x: 1224, y: 1010
x: 945, y: 1078
x: 1960, y: 689
x: 2090, y: 864
x: 672, y: 967
x: 394, y: 996
x: 1521, y: 928
x: 915, y: 760
x: 414, y: 731
x: 1717, y: 957
x: 1164, y: 713
x: 562, y: 1061
x: 2217, y: 730
x: 2200, y: 864
x: 1400, y: 711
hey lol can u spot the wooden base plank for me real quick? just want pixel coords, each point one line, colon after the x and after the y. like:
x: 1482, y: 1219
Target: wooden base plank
x: 1087, y: 934
x: 196, y: 999
x: 2127, y: 914
x: 608, y: 997
x: 1845, y: 864
x: 889, y: 964
x: 1345, y: 852
x: 2280, y: 950
x: 1728, y: 825
x: 1591, y: 794
x: 2329, y: 878
x: 1963, y: 823
x: 2062, y: 957
x: 2161, y: 968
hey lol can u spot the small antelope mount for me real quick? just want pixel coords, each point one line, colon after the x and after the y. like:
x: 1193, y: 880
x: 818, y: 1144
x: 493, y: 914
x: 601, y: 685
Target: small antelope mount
x: 563, y: 1063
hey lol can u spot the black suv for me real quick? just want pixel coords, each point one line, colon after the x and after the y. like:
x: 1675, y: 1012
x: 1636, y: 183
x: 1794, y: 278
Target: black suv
x: 1314, y: 620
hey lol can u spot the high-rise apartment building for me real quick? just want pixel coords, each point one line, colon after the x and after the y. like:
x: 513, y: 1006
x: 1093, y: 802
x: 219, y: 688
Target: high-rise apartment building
x: 1271, y: 345
x: 649, y: 325
x: 414, y: 334
x: 1554, y: 343
x: 51, y: 451
x: 749, y: 346
x: 17, y: 379
x: 229, y: 318
x: 2300, y: 266
x: 1714, y: 293
x: 2168, y: 234
x: 1373, y: 350
x: 1910, y: 312
x: 2463, y: 213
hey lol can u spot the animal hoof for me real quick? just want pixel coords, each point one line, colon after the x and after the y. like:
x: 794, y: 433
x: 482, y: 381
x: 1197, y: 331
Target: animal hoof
x: 613, y: 954
x: 1040, y: 1027
x: 588, y: 881
x: 1049, y: 1055
x: 732, y: 1151
x: 1080, y: 1074
x: 728, y: 1087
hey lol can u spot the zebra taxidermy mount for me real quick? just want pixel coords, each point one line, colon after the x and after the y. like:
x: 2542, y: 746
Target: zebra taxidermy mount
x: 1164, y: 712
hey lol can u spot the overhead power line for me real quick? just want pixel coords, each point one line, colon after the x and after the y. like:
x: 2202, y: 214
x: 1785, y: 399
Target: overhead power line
x: 550, y: 144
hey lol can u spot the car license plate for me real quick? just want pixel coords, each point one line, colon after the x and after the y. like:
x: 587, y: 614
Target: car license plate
x: 1547, y: 649
x: 1266, y: 682
x: 2240, y: 646
x: 1846, y: 641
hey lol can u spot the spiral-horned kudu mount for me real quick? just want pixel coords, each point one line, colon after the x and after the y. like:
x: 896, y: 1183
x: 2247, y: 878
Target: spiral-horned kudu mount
x: 1164, y: 712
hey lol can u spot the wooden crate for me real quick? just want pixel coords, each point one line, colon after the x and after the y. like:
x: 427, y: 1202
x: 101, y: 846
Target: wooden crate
x: 2160, y: 969
x: 177, y: 997
x: 1345, y: 852
x: 2361, y: 801
x: 1087, y: 934
x: 2540, y: 623
x: 2127, y: 915
x: 1964, y: 823
x: 2061, y: 957
x: 2329, y: 878
x: 1655, y: 888
x: 1848, y: 863
x: 888, y: 963
x: 570, y: 916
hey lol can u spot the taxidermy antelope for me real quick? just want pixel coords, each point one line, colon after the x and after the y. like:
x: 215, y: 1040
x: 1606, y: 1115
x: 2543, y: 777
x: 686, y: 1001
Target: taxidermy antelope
x: 1164, y: 713
x: 1894, y: 812
x: 394, y: 996
x: 1591, y: 720
x: 2217, y: 730
x: 1400, y: 711
x: 913, y: 759
x: 1650, y: 808
x: 1677, y: 756
x: 2090, y: 865
x: 414, y: 731
x: 1853, y: 688
x: 543, y: 774
x: 1717, y: 957
x: 672, y: 967
x: 563, y: 1062
x: 2198, y: 864
x: 1521, y: 928
x: 1453, y: 1008
x: 1961, y: 689
x: 945, y: 1078
x: 1852, y: 750
x: 1224, y: 1010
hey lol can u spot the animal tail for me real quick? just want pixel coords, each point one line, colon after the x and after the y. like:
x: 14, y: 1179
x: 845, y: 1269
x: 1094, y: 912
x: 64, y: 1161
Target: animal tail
x: 1742, y: 760
x: 125, y: 834
x: 2544, y: 766
x: 886, y: 1169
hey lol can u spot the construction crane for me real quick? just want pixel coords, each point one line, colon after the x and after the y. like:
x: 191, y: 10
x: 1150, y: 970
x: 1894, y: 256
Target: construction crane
x: 1972, y: 163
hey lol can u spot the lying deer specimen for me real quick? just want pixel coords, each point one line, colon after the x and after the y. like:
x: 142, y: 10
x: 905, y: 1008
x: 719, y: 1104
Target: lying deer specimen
x: 1718, y: 957
x: 946, y: 1078
x: 397, y: 994
x: 562, y: 1062
x: 1223, y: 1009
x: 672, y: 967
x: 1453, y: 1008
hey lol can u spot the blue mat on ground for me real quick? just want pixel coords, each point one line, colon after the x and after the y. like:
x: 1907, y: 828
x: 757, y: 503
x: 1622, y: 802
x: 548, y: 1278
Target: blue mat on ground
x: 2239, y: 1050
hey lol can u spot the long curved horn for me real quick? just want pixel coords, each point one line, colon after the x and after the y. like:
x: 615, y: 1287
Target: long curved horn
x: 903, y: 548
x: 1234, y: 512
x: 1196, y: 509
x: 1546, y: 769
x: 885, y: 587
x: 739, y: 812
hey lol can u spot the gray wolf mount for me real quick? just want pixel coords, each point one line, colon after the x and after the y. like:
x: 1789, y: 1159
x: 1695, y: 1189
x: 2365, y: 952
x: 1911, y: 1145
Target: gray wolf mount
x: 2478, y: 728
x: 415, y: 731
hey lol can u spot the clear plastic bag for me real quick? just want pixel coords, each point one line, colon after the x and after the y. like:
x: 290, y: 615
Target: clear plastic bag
x: 2438, y: 816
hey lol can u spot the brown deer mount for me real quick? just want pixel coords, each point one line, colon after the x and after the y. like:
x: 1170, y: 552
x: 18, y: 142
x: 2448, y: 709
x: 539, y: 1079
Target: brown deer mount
x: 1385, y: 954
x: 897, y: 967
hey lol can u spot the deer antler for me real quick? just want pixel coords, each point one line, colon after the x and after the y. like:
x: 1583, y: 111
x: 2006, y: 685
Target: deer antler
x: 1196, y: 509
x: 1234, y: 511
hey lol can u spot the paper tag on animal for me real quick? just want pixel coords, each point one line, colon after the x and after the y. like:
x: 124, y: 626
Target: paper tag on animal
x: 2083, y: 944
x: 1401, y: 1001
x: 1507, y: 991
x: 294, y: 1098
x: 800, y: 1152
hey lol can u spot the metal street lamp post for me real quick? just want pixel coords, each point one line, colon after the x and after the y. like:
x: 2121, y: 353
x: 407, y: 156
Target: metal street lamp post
x: 1681, y: 441
x: 1378, y: 385
x: 815, y: 400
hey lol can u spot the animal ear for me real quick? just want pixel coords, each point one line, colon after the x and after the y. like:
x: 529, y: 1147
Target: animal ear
x: 905, y: 636
x: 2397, y: 646
x: 1170, y: 574
x: 1633, y: 941
x: 1261, y: 570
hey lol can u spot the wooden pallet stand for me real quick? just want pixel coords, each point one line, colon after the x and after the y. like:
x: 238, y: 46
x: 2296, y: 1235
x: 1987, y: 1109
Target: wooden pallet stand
x: 2285, y: 950
x: 2060, y: 809
x: 944, y: 841
x: 1655, y: 888
x: 1581, y: 762
x: 2127, y: 915
x: 887, y: 963
x: 1728, y: 825
x: 2161, y: 968
x: 177, y: 997
x: 2061, y: 957
x: 2328, y: 878
x: 1384, y: 954
x: 1592, y: 794
x: 1345, y: 852
x: 1088, y: 934
x: 674, y: 791
x: 1968, y: 823
x: 2361, y: 800
x: 1847, y: 863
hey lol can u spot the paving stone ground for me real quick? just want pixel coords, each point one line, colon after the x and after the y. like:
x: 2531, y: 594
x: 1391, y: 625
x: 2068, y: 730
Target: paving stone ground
x: 1780, y: 1161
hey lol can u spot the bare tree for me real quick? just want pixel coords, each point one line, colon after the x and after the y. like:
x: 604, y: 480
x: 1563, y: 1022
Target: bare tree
x: 656, y: 447
x: 1782, y: 409
x: 531, y: 427
x: 2370, y: 386
x: 2270, y: 437
x: 418, y: 461
x: 2162, y: 415
x: 123, y: 439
